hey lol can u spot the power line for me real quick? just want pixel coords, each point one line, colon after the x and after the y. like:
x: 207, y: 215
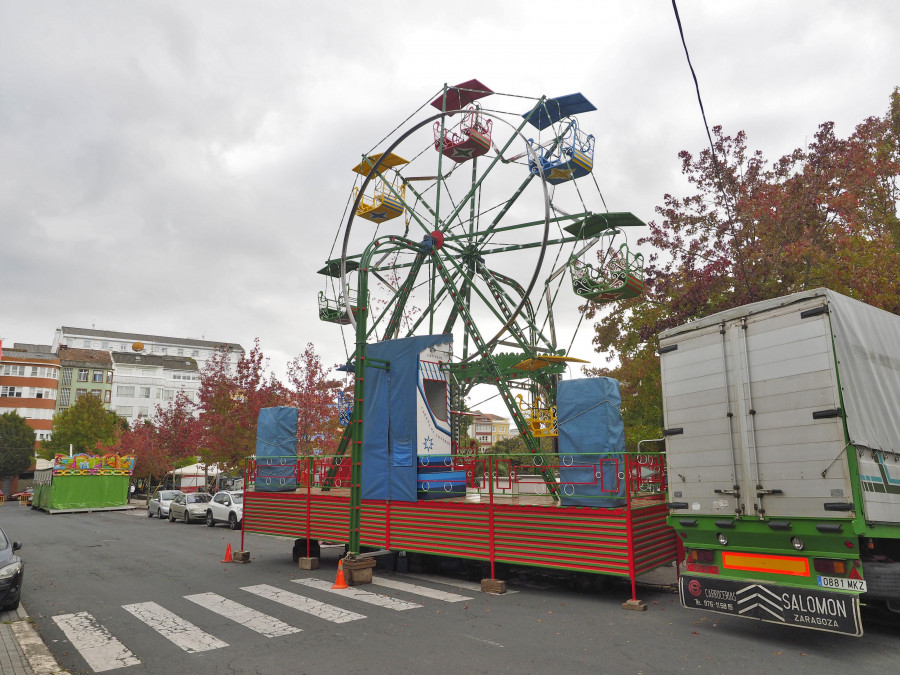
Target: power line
x: 712, y: 147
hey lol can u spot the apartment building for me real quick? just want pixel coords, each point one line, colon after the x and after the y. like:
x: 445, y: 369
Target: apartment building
x: 145, y: 381
x: 487, y: 429
x: 141, y: 343
x: 29, y: 377
x: 84, y: 372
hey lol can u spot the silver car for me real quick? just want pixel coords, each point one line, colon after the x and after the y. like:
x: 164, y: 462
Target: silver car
x: 188, y: 507
x: 159, y: 503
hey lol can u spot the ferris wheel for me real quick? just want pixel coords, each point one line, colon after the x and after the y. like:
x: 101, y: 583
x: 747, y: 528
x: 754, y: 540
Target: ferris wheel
x: 470, y: 221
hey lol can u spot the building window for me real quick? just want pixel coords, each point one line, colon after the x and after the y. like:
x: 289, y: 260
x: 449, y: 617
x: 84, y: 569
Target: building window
x: 96, y: 392
x: 97, y: 376
x: 145, y: 392
x: 14, y: 370
x: 124, y: 410
x: 34, y: 371
x: 107, y: 396
x: 180, y: 352
x: 79, y: 393
x: 86, y: 344
x: 143, y: 410
x: 195, y: 353
x: 64, y: 395
x: 11, y: 392
x: 109, y: 376
x: 125, y: 392
x: 66, y: 379
x: 82, y: 374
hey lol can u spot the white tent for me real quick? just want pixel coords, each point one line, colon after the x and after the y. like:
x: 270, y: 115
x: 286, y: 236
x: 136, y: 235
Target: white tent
x: 199, y: 470
x: 195, y: 476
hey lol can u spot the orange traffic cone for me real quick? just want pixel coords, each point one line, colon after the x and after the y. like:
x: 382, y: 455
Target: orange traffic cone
x: 339, y: 582
x: 228, y: 555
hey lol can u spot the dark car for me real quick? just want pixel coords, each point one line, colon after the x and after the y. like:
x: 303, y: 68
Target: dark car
x: 12, y: 570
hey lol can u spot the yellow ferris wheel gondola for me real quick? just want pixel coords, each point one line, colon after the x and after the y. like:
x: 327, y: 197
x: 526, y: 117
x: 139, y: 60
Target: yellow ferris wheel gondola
x: 386, y: 201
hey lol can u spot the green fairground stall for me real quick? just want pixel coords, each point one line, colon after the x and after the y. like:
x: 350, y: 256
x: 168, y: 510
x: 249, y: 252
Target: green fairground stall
x: 84, y: 482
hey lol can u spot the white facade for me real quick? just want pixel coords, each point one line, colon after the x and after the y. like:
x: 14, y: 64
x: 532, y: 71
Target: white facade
x: 144, y: 382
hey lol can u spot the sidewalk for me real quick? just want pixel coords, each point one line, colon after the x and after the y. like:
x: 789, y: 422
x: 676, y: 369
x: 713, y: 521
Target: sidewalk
x: 22, y: 652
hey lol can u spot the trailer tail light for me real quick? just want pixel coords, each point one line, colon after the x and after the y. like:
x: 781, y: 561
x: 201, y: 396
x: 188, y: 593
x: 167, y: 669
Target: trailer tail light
x: 701, y: 555
x: 829, y: 566
x: 701, y: 560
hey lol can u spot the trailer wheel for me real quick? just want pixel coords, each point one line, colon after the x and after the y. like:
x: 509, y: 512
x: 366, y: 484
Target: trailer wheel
x: 882, y: 581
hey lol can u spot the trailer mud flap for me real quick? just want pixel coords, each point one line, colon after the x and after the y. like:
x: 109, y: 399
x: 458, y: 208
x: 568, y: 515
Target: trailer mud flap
x: 806, y: 608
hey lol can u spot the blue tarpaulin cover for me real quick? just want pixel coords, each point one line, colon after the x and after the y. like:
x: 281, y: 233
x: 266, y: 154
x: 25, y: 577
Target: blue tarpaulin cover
x: 276, y: 449
x: 591, y: 443
x: 389, y: 411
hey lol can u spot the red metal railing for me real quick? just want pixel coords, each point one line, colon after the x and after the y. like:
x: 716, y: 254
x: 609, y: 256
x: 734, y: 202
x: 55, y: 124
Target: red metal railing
x: 505, y: 518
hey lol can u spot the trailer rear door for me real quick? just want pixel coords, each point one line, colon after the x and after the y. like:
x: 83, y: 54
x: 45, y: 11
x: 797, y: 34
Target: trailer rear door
x: 752, y: 415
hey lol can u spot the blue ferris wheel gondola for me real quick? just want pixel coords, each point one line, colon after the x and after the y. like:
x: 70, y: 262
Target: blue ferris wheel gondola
x: 571, y: 154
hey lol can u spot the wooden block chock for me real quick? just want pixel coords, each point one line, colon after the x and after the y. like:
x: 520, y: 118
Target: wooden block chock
x: 241, y: 556
x: 308, y: 563
x: 495, y: 586
x: 358, y: 571
x: 635, y: 605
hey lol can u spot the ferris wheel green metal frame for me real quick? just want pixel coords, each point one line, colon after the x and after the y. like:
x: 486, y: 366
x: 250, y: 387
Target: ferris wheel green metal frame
x: 459, y: 262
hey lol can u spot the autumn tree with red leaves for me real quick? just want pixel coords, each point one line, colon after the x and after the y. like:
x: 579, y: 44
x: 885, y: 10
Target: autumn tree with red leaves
x: 309, y: 389
x: 231, y: 396
x: 823, y: 216
x: 178, y: 432
x: 140, y: 440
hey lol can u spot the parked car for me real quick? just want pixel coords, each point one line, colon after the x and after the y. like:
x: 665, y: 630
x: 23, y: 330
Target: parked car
x: 25, y: 494
x: 188, y: 507
x: 159, y: 503
x: 12, y: 571
x: 226, y: 507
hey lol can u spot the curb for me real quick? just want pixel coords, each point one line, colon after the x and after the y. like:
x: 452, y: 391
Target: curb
x: 36, y: 652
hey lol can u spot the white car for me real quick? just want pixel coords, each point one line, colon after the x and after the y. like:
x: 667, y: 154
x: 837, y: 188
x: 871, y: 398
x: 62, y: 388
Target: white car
x: 226, y: 507
x: 159, y: 503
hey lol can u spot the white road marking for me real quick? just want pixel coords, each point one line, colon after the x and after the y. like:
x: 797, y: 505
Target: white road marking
x: 361, y: 595
x: 96, y: 644
x: 304, y: 604
x: 487, y: 642
x: 456, y: 583
x: 416, y: 589
x: 172, y: 627
x: 246, y: 616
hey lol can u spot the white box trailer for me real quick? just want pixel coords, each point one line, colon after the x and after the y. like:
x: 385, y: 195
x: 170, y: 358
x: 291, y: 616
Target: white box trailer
x: 782, y: 426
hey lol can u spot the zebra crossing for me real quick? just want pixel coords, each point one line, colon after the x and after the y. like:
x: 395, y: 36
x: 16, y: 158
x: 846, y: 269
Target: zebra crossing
x: 104, y: 652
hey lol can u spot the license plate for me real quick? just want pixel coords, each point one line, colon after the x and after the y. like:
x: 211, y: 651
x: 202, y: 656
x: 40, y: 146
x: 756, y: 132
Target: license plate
x: 841, y: 584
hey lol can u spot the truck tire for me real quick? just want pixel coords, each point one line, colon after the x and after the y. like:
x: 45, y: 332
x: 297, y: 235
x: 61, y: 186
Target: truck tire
x: 882, y: 581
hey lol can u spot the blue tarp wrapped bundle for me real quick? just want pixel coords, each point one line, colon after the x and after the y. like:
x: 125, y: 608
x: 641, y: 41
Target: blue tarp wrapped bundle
x: 591, y: 443
x: 389, y: 467
x: 276, y: 449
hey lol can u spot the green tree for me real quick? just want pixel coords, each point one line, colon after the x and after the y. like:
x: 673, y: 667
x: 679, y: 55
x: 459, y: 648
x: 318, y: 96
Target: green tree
x: 821, y: 216
x: 86, y: 426
x: 16, y: 444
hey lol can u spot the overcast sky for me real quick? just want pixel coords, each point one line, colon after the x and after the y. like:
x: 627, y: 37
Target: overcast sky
x: 181, y: 168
